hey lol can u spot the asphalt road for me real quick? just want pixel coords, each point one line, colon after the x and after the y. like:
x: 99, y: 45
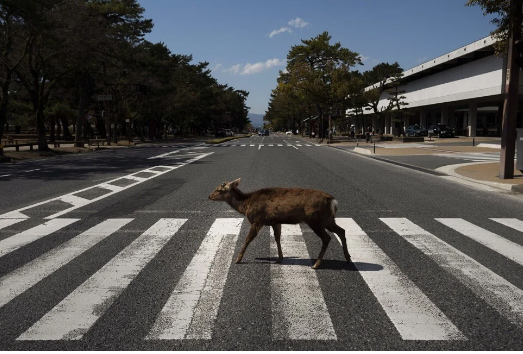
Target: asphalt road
x: 121, y: 249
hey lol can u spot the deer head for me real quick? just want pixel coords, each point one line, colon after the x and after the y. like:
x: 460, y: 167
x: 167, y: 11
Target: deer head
x: 222, y: 192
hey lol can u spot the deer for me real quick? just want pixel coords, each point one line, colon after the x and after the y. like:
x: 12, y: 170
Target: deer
x: 276, y: 206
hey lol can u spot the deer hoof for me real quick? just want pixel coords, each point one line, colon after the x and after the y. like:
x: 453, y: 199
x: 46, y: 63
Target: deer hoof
x: 317, y: 264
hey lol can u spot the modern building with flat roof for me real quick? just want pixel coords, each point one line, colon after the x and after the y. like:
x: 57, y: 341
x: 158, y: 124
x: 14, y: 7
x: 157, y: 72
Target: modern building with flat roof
x: 463, y: 88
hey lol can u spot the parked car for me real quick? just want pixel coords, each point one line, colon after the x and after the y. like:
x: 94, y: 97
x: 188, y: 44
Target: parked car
x: 416, y: 130
x: 228, y: 132
x: 219, y: 133
x: 441, y: 130
x: 288, y: 133
x: 266, y: 132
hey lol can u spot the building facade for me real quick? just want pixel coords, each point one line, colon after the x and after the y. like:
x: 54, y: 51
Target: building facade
x: 463, y: 88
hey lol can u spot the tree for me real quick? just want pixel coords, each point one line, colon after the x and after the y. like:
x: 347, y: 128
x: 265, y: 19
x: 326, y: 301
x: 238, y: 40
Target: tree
x: 318, y: 72
x: 14, y: 44
x: 382, y: 78
x: 506, y: 10
x: 508, y: 33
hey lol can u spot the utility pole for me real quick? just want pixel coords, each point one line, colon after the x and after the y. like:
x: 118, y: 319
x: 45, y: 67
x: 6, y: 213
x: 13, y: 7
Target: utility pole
x: 510, y: 104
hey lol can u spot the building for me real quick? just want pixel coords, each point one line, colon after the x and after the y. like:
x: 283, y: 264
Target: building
x: 463, y: 88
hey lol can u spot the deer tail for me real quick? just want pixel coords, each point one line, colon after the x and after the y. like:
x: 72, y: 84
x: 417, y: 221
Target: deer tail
x: 334, y: 207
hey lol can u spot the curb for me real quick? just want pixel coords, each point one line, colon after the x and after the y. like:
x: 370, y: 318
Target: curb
x: 450, y: 170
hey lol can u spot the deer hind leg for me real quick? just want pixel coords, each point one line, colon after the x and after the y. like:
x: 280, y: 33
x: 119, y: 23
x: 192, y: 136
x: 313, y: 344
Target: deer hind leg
x: 277, y: 237
x: 333, y: 227
x: 325, y: 239
x: 253, y: 231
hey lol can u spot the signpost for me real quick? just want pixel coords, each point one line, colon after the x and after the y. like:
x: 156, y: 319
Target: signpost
x: 104, y: 97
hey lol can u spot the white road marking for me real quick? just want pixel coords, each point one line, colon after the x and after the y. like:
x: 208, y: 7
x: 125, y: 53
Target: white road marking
x: 77, y: 202
x: 493, y: 289
x: 17, y: 241
x: 191, y: 310
x: 163, y: 155
x: 18, y: 281
x: 513, y: 223
x: 501, y: 245
x: 73, y: 316
x: 9, y: 222
x: 299, y: 311
x: 409, y: 309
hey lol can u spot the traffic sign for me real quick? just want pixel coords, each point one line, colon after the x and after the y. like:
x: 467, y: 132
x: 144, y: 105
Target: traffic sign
x: 105, y: 97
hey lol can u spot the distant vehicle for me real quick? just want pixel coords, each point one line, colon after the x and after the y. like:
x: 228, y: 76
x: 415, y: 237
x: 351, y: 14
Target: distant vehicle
x: 219, y: 133
x: 266, y: 132
x: 441, y: 130
x: 288, y: 133
x: 228, y: 132
x: 416, y: 130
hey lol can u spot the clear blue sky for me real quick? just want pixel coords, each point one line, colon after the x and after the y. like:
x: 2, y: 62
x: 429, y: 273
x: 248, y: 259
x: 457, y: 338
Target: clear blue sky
x: 246, y: 42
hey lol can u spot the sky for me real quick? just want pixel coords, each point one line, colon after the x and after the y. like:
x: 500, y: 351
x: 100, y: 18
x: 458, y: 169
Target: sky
x: 246, y: 42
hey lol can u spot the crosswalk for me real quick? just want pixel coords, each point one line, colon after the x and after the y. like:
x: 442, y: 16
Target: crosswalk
x: 299, y: 309
x: 260, y: 145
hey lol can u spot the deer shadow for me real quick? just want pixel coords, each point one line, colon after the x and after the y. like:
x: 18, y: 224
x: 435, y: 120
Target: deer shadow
x: 326, y: 264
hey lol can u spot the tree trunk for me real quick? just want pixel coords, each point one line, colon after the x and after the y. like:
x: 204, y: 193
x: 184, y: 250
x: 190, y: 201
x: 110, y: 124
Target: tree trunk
x: 3, y: 112
x: 84, y: 101
x: 40, y: 129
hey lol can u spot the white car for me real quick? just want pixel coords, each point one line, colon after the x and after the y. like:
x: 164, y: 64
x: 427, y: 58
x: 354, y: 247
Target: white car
x: 289, y: 133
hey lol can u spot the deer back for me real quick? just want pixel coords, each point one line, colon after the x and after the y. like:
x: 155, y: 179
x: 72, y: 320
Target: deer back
x: 287, y: 205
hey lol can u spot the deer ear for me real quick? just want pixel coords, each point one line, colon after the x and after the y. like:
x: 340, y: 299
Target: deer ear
x: 235, y: 183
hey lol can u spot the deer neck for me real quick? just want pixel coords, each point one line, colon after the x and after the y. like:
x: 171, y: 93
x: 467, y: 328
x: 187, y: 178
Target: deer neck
x: 238, y: 200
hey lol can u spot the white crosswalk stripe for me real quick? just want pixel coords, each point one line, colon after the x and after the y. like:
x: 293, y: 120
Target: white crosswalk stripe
x: 493, y: 289
x: 259, y: 146
x: 73, y: 317
x: 512, y: 222
x: 505, y: 247
x: 25, y: 277
x: 192, y: 307
x: 299, y: 307
x: 17, y: 241
x: 412, y: 313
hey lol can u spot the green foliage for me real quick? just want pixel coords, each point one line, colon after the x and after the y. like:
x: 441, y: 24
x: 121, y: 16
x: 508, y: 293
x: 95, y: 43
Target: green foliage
x: 505, y: 11
x: 67, y: 51
x: 317, y: 80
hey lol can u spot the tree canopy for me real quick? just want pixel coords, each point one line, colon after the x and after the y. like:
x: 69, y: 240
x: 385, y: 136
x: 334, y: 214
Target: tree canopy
x: 59, y: 55
x: 320, y: 82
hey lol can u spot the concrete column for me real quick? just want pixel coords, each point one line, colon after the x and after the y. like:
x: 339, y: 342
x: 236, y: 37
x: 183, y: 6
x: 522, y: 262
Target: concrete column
x: 472, y: 118
x: 444, y: 115
x: 452, y: 118
x: 423, y: 118
x: 388, y: 128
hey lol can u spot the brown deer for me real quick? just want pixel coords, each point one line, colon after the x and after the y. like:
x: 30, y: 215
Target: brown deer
x: 276, y: 206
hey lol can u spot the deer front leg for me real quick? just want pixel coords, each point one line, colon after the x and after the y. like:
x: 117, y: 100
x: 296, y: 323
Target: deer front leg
x: 253, y: 231
x: 277, y: 237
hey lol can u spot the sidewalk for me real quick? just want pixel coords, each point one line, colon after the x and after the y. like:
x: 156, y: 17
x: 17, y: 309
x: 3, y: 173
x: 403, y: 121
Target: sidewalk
x: 485, y: 173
